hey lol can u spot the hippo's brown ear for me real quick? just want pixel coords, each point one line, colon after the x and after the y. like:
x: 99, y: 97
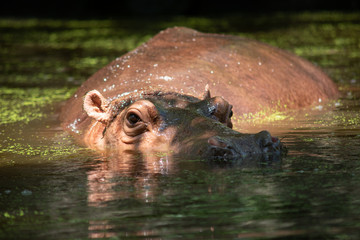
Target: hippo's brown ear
x: 207, y: 92
x: 95, y: 105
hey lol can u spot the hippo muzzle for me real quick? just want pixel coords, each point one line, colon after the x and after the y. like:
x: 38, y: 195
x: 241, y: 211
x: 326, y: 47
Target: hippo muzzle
x: 260, y: 146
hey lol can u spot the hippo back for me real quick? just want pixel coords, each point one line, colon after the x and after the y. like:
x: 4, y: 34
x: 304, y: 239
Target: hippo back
x: 251, y: 75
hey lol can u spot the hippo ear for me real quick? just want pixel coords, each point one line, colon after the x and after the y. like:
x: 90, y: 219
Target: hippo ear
x: 206, y: 93
x: 95, y: 105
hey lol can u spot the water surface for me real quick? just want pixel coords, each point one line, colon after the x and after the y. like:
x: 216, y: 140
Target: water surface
x: 52, y: 188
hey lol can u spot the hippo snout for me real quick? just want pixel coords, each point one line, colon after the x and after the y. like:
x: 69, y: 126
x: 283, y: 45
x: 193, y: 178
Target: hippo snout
x: 267, y: 142
x: 253, y: 146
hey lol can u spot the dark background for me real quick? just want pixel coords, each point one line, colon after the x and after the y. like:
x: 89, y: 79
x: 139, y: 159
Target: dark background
x: 119, y: 8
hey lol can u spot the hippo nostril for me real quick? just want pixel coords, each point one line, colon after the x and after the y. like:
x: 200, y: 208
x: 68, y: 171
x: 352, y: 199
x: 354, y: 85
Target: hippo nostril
x: 276, y: 142
x: 222, y: 153
x: 214, y: 141
x: 220, y: 150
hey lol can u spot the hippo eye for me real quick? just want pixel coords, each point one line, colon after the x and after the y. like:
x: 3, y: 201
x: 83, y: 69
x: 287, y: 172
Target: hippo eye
x: 133, y: 118
x: 231, y: 114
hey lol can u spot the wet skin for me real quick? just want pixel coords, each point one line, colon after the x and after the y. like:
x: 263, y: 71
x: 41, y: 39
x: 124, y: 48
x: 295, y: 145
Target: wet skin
x: 174, y: 123
x: 153, y: 98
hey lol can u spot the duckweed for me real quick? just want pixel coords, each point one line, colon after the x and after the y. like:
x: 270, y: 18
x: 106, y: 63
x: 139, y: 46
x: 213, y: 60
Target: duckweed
x: 43, y: 151
x: 25, y: 105
x: 348, y: 120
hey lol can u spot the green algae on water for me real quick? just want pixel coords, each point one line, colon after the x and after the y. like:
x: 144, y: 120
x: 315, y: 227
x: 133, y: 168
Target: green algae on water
x: 25, y: 105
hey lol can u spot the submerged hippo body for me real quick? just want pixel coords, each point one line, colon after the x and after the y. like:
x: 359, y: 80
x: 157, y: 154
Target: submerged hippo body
x: 154, y: 98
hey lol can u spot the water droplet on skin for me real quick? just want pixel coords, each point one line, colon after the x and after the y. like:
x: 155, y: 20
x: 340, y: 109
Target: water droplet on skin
x: 260, y: 63
x: 104, y: 90
x: 105, y: 79
x: 128, y: 66
x: 75, y: 96
x: 166, y: 78
x: 194, y: 39
x: 155, y: 65
x: 226, y: 65
x: 238, y: 63
x: 72, y: 126
x: 320, y: 107
x: 211, y: 72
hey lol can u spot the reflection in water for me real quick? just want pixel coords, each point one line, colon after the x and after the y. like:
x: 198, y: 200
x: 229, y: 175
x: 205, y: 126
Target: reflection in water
x: 126, y: 176
x: 112, y: 177
x: 100, y: 229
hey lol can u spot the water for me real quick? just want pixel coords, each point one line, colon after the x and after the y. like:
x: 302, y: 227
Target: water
x: 51, y: 188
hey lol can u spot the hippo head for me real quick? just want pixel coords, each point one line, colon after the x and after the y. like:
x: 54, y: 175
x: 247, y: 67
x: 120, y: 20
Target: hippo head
x: 176, y: 123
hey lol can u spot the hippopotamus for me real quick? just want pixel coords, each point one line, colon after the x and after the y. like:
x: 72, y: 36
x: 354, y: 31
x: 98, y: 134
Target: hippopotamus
x: 178, y: 91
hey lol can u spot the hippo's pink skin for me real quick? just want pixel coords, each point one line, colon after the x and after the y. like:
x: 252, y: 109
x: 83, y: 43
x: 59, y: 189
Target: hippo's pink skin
x: 249, y: 74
